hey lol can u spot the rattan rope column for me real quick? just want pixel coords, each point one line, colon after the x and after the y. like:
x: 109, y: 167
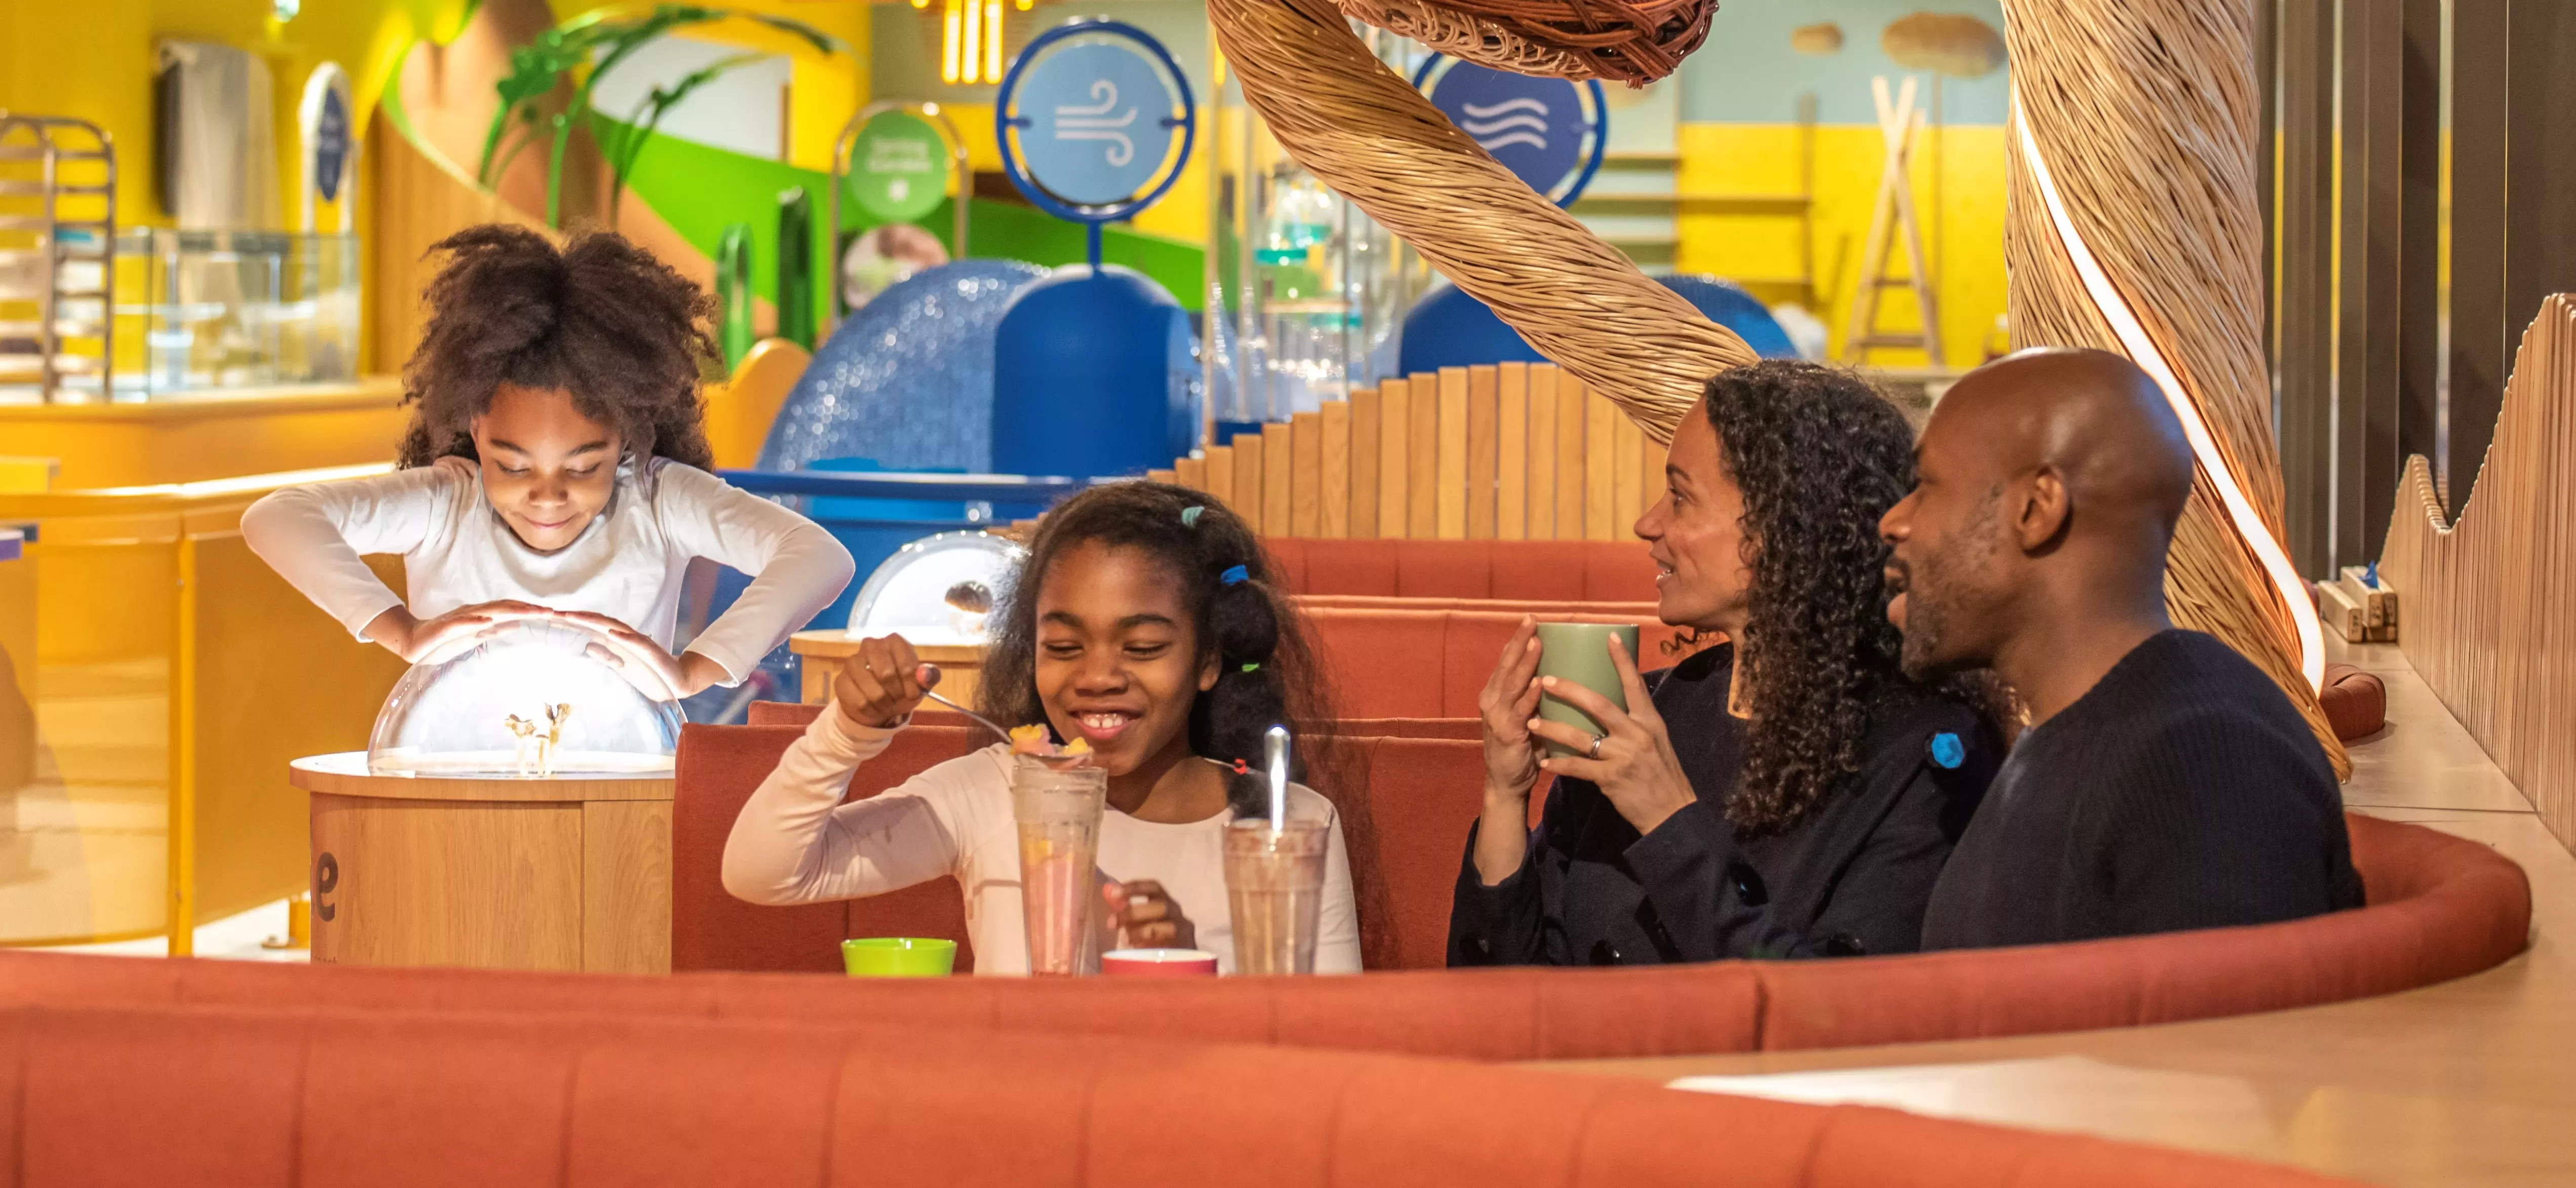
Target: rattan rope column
x: 1358, y: 126
x: 2132, y: 227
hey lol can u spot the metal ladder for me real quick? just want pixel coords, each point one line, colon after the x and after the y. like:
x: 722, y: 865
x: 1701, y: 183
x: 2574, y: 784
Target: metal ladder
x: 57, y: 258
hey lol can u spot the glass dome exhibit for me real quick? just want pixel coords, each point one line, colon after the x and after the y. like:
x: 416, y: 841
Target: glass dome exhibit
x: 529, y: 699
x: 938, y: 590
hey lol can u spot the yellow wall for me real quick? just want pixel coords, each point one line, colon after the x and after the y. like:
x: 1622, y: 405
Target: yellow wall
x: 94, y: 59
x: 1967, y: 255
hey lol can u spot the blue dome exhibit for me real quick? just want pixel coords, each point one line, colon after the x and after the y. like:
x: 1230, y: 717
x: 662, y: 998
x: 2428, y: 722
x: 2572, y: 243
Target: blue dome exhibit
x: 1449, y: 328
x: 907, y: 381
x: 1094, y: 374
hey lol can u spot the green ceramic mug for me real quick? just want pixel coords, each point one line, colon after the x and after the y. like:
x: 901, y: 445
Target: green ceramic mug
x: 898, y: 957
x: 1580, y: 652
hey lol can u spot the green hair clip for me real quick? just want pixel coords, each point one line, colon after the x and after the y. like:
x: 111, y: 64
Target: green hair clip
x: 1255, y: 666
x: 1190, y: 515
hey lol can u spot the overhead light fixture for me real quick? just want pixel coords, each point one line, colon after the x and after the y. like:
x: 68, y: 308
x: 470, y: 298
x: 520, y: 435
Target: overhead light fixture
x: 970, y: 43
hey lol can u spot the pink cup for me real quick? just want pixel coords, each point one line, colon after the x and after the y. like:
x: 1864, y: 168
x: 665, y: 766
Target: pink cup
x: 1158, y: 963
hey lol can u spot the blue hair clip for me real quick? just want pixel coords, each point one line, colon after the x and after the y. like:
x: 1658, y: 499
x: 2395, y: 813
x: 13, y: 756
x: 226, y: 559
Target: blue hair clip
x: 1234, y: 576
x: 1190, y: 515
x: 1948, y: 752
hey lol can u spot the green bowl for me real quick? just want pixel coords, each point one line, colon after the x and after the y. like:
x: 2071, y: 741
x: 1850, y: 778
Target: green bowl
x: 898, y: 957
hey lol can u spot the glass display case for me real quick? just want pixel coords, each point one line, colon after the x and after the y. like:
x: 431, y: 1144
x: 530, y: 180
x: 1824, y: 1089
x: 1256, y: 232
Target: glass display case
x: 210, y: 310
x: 1305, y: 291
x: 529, y: 699
x: 940, y: 590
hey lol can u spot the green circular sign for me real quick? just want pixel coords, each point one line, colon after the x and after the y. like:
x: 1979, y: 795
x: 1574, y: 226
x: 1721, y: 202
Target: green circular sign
x: 898, y: 167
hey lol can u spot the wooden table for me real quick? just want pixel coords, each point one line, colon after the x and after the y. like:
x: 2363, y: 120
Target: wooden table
x: 2465, y: 1084
x: 960, y: 666
x: 563, y: 874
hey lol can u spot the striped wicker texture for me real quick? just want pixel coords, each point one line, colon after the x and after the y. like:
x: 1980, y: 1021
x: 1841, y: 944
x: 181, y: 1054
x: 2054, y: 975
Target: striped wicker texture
x: 2482, y: 602
x: 1375, y: 140
x: 1617, y: 41
x: 2147, y: 114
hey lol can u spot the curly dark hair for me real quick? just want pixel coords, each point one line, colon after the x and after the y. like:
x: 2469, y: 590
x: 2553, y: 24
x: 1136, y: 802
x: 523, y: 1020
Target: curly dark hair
x: 598, y: 317
x: 1819, y: 457
x: 1266, y: 670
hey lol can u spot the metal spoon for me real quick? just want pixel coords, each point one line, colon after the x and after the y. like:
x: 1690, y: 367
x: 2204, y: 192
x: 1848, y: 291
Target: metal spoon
x: 929, y: 675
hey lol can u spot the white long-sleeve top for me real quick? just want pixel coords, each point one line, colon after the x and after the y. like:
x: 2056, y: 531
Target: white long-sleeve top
x: 795, y: 842
x: 627, y: 564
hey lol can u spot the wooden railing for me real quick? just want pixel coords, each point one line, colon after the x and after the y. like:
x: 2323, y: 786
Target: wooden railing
x: 2485, y: 595
x: 1516, y: 451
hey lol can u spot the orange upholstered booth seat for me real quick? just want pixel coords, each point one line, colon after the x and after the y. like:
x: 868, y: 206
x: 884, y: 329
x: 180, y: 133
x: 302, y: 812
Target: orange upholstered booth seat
x: 1546, y: 571
x: 1431, y: 663
x: 315, y: 1096
x: 2440, y: 908
x: 797, y: 713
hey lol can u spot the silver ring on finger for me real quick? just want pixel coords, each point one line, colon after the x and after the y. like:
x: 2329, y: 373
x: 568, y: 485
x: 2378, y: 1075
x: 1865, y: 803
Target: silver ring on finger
x: 1596, y: 746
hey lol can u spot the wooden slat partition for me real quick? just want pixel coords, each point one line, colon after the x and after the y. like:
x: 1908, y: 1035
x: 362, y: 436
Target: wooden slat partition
x: 1511, y: 451
x: 2482, y: 608
x: 1515, y: 452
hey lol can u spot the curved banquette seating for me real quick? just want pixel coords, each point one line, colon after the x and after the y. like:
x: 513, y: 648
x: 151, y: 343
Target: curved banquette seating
x: 2439, y: 908
x: 304, y: 1095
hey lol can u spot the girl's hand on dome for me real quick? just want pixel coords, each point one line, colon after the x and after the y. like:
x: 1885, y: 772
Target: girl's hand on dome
x: 1632, y: 761
x: 881, y: 683
x: 414, y: 639
x: 1147, y: 918
x: 683, y: 675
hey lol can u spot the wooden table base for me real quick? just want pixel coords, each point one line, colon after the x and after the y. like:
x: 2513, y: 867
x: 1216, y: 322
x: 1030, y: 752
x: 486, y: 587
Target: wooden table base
x: 491, y: 874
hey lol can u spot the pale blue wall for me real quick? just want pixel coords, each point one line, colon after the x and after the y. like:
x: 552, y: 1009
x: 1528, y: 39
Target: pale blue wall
x: 1747, y: 73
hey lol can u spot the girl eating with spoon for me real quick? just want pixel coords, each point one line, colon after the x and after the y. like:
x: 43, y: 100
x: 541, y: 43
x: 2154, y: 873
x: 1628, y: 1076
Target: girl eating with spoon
x: 1144, y: 626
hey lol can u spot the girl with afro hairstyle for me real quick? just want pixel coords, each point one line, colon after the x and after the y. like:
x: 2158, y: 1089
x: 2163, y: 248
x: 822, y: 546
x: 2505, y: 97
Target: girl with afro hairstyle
x: 556, y: 466
x: 1147, y: 625
x: 1789, y: 793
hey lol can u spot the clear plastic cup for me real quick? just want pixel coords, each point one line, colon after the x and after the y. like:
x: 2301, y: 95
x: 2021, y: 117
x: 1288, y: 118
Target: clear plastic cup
x: 1058, y: 807
x: 1274, y: 886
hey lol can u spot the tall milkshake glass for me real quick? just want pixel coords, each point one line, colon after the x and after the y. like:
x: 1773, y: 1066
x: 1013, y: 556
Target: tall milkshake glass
x: 1057, y: 804
x: 1274, y: 886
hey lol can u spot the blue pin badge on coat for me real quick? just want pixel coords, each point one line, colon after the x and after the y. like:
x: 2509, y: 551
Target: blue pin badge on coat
x: 1550, y: 132
x: 1948, y: 752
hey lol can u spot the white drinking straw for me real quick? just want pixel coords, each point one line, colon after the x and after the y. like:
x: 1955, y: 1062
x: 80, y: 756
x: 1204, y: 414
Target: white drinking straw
x: 1277, y: 744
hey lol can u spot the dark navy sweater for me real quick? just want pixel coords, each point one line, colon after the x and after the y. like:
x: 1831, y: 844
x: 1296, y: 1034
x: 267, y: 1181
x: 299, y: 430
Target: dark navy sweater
x: 2182, y: 791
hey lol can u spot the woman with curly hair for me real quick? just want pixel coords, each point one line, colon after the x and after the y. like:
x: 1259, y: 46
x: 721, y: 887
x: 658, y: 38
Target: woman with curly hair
x: 1789, y: 793
x: 556, y: 466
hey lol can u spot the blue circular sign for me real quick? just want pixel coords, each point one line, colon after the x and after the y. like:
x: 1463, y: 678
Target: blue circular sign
x: 1536, y: 127
x: 1087, y: 126
x: 330, y: 144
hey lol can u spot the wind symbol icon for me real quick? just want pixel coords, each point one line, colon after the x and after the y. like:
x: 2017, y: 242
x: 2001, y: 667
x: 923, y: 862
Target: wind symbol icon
x: 1093, y: 122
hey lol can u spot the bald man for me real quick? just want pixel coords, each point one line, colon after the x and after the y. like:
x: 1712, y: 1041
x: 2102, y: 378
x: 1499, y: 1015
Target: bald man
x: 2163, y: 781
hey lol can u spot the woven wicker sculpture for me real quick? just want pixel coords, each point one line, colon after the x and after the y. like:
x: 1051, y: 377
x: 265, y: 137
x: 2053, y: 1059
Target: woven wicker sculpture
x: 1355, y: 124
x: 2146, y: 108
x: 2132, y: 227
x: 1621, y: 41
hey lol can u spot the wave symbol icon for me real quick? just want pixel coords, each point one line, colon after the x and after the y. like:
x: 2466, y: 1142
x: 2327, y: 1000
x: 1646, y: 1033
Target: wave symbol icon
x: 1499, y: 126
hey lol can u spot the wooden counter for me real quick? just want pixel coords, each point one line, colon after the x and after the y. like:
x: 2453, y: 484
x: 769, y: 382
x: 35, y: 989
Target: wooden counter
x: 566, y: 874
x: 216, y: 435
x: 961, y: 668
